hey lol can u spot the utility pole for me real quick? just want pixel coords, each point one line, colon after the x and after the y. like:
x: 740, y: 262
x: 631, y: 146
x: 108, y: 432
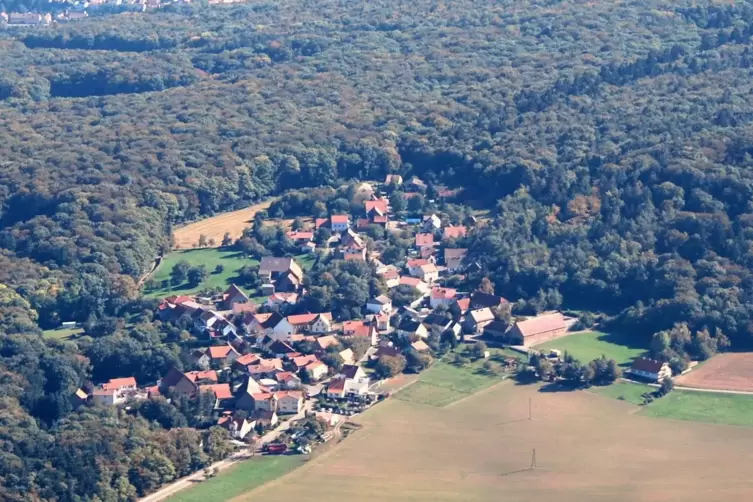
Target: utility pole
x: 529, y: 409
x: 533, y: 459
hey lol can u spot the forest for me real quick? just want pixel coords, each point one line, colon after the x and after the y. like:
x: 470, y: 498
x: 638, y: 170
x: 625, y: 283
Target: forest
x: 611, y: 141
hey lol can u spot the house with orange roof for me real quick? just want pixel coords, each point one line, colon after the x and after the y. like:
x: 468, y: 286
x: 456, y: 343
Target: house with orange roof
x: 222, y: 394
x: 316, y: 370
x: 453, y: 259
x: 429, y: 273
x: 442, y: 296
x: 454, y: 232
x: 288, y: 380
x: 424, y: 240
x: 202, y: 376
x: 237, y: 427
x: 391, y: 276
x: 376, y: 207
x: 233, y: 295
x: 339, y: 222
x: 246, y: 360
x: 217, y: 356
x: 324, y: 342
x: 289, y: 402
x: 302, y: 323
x: 281, y: 300
x: 177, y: 383
x: 414, y: 282
x: 120, y: 384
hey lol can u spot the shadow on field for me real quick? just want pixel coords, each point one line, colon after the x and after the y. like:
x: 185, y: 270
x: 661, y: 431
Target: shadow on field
x: 558, y: 387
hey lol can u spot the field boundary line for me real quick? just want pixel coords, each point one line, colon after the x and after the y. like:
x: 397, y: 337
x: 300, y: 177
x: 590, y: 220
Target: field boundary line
x: 715, y: 391
x: 472, y: 394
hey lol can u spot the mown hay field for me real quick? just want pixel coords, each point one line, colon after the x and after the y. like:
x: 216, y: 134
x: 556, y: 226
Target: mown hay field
x: 588, y: 448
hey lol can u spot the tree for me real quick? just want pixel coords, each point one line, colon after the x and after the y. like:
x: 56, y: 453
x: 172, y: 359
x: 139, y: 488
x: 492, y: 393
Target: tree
x: 389, y: 366
x: 486, y: 286
x: 227, y: 240
x: 397, y: 202
x: 478, y: 350
x: 219, y: 269
x: 544, y: 368
x: 179, y: 273
x: 667, y: 385
x: 197, y: 275
x: 203, y: 241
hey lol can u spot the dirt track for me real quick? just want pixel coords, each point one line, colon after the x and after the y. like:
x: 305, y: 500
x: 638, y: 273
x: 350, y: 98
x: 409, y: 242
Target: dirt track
x: 215, y: 227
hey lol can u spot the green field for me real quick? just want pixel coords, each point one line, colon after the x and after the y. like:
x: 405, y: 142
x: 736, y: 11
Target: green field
x: 589, y: 346
x: 239, y: 479
x: 445, y: 383
x: 62, y: 333
x: 231, y: 261
x: 711, y: 407
x: 624, y: 391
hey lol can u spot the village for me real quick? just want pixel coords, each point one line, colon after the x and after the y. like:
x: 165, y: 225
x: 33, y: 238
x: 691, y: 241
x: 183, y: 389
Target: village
x: 258, y: 368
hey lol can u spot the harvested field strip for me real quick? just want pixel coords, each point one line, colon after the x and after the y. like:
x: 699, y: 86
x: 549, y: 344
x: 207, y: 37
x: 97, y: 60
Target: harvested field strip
x: 215, y: 227
x: 731, y: 371
x: 426, y: 393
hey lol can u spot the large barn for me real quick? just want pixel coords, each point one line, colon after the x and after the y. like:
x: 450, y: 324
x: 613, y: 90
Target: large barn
x: 538, y: 329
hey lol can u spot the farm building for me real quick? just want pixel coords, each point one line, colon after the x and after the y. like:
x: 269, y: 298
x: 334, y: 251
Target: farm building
x: 538, y: 329
x: 651, y: 369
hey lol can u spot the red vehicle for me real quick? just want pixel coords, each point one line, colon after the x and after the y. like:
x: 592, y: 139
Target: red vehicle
x: 276, y: 448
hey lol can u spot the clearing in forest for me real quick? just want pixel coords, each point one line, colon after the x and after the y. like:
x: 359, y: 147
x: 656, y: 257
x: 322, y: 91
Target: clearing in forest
x: 591, y: 345
x: 730, y: 371
x: 587, y: 448
x: 234, y: 223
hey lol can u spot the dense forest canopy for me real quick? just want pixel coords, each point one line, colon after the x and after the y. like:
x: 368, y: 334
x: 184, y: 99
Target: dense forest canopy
x: 611, y: 140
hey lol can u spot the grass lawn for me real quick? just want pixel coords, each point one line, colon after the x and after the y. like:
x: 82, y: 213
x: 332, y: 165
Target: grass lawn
x: 591, y: 345
x: 716, y: 408
x: 62, y: 333
x: 445, y: 383
x: 624, y: 391
x: 241, y: 478
x: 231, y: 261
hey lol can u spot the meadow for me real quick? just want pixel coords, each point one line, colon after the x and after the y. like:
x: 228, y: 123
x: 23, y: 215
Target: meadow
x: 587, y: 448
x: 231, y: 262
x: 711, y: 407
x: 242, y: 477
x: 591, y: 345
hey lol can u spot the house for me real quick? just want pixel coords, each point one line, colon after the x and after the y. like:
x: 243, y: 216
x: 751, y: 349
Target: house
x: 301, y: 362
x: 380, y: 304
x: 419, y: 346
x: 415, y: 283
x: 355, y: 255
x: 481, y: 300
x: 415, y: 185
x: 316, y: 370
x: 284, y: 273
x: 431, y: 223
x: 120, y: 384
x: 453, y: 259
x: 385, y: 351
x: 300, y: 238
x: 477, y: 319
x: 264, y: 401
x: 265, y: 368
x: 390, y: 274
x: 280, y: 349
x: 382, y: 323
x: 105, y: 397
x: 650, y: 369
x: 342, y: 387
x: 324, y: 342
x: 393, y: 179
x: 353, y: 372
x: 442, y: 296
x: 233, y: 295
x: 424, y: 240
x: 177, y: 383
x: 289, y: 402
x: 202, y: 376
x: 347, y: 356
x: 362, y: 329
x: 351, y: 242
x: 265, y: 418
x: 460, y: 307
x: 456, y: 232
x: 237, y: 427
x: 28, y: 19
x: 410, y: 327
x: 222, y: 355
x: 321, y: 223
x: 222, y: 393
x: 288, y: 380
x: 244, y: 394
x: 376, y: 207
x: 428, y: 273
x: 301, y: 323
x: 204, y: 320
x: 280, y: 300
x: 538, y: 329
x: 414, y: 266
x: 339, y: 222
x: 437, y: 321
x: 246, y: 360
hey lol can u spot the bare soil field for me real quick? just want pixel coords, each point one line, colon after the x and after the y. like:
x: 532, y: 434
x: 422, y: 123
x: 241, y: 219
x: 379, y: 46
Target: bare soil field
x: 588, y: 448
x: 215, y: 227
x: 722, y: 372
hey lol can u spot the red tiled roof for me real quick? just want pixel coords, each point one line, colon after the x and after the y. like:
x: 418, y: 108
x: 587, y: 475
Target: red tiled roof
x: 541, y: 324
x: 195, y: 376
x: 298, y: 235
x: 424, y: 240
x: 362, y: 223
x: 302, y: 361
x: 326, y: 341
x: 379, y: 204
x: 220, y: 352
x: 247, y: 359
x: 119, y: 383
x: 284, y: 376
x: 454, y: 232
x: 391, y: 274
x: 647, y: 365
x: 354, y: 256
x: 410, y: 281
x: 352, y: 325
x: 443, y: 293
x: 221, y: 390
x: 417, y: 262
x: 464, y: 304
x: 319, y: 222
x: 380, y: 219
x: 339, y: 218
x: 297, y: 320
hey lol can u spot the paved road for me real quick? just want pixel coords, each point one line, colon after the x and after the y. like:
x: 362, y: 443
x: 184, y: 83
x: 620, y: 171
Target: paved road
x: 240, y: 455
